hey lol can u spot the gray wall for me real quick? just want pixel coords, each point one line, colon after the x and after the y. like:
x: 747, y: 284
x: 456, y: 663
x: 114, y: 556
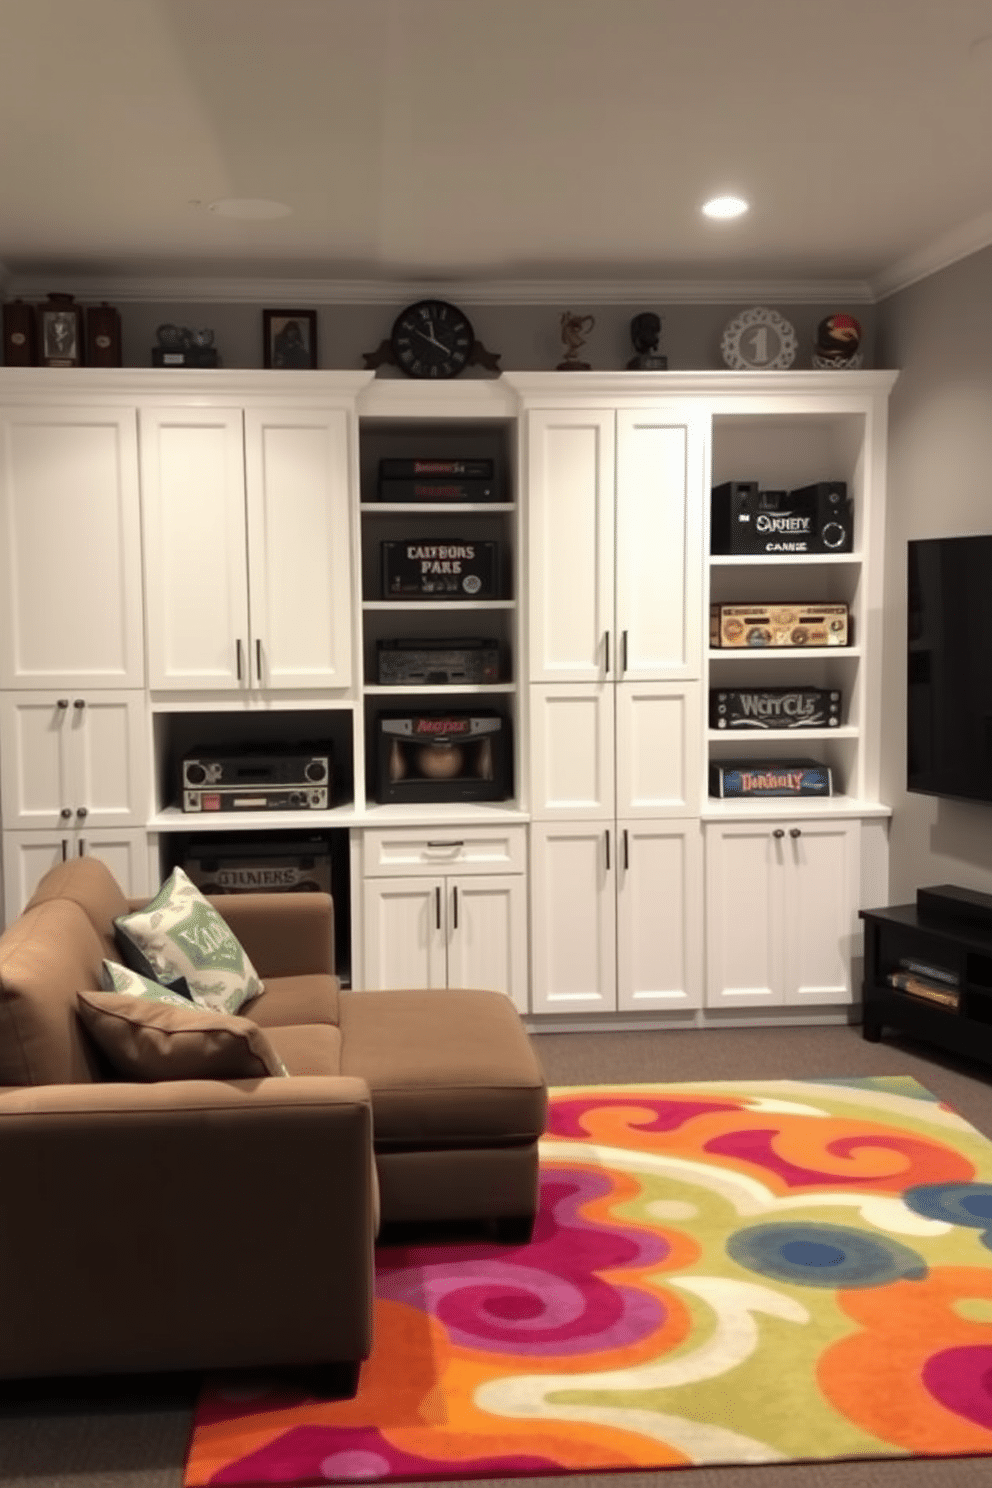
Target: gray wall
x: 938, y: 333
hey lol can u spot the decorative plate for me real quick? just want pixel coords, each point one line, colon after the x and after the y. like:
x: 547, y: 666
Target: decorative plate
x: 759, y: 340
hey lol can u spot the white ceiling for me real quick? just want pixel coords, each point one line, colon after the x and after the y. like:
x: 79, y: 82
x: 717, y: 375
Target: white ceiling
x: 500, y: 145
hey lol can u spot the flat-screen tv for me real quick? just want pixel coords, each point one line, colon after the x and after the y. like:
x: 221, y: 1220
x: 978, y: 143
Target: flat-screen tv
x: 949, y: 667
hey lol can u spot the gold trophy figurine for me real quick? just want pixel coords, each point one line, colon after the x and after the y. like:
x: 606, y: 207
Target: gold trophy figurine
x: 574, y: 329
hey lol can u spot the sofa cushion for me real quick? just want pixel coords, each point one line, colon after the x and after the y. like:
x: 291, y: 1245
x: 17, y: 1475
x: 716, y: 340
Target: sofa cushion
x: 46, y: 956
x: 308, y: 1050
x: 446, y: 1067
x: 146, y: 1038
x: 88, y: 882
x: 294, y: 999
x: 179, y: 933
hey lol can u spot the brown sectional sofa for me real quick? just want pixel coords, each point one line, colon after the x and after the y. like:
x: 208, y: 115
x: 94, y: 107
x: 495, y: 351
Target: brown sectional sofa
x: 195, y: 1224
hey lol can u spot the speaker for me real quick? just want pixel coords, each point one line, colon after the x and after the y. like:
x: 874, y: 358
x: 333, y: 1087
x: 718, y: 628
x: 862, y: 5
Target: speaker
x: 810, y: 519
x: 834, y: 524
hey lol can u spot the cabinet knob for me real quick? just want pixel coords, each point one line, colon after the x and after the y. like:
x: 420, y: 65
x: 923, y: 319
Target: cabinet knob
x: 795, y: 832
x: 79, y: 703
x: 63, y: 702
x: 65, y: 813
x: 81, y: 811
x: 778, y: 832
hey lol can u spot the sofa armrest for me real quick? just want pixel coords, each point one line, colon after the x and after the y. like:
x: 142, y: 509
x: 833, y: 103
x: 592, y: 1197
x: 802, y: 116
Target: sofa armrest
x: 284, y: 934
x: 186, y: 1225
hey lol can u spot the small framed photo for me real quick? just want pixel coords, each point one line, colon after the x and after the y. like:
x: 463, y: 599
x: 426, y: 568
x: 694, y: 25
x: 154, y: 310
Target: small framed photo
x: 290, y: 338
x: 60, y: 332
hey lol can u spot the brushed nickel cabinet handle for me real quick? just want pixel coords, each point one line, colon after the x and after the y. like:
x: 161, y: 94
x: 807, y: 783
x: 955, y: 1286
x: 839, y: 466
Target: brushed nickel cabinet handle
x: 258, y: 660
x: 607, y: 849
x: 237, y: 649
x: 606, y: 651
x: 454, y: 907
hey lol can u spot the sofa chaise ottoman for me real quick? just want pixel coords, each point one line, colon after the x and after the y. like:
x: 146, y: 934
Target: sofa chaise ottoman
x: 192, y: 1224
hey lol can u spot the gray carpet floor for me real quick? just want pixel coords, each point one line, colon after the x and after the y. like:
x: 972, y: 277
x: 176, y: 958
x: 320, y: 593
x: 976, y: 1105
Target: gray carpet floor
x: 133, y: 1433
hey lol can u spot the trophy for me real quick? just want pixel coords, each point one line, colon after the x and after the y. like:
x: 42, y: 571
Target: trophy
x: 645, y: 332
x: 574, y: 329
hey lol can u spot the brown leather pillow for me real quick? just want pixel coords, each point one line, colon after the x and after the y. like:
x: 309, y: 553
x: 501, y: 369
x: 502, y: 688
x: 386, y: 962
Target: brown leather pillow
x: 149, y: 1040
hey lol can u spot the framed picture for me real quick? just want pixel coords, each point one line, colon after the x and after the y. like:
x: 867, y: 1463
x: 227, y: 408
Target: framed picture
x: 60, y: 332
x: 290, y: 338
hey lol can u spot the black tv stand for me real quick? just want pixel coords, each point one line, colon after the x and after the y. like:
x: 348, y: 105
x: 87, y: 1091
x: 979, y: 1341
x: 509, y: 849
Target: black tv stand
x: 959, y: 947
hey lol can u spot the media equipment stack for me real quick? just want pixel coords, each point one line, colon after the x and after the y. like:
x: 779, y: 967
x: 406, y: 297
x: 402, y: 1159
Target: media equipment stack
x: 429, y: 662
x: 274, y: 778
x: 432, y: 480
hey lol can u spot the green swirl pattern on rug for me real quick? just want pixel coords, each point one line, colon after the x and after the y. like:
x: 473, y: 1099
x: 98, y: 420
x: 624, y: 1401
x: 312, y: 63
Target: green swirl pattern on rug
x: 756, y: 1271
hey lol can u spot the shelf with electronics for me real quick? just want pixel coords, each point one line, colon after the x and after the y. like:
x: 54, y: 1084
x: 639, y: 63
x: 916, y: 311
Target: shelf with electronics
x: 440, y: 621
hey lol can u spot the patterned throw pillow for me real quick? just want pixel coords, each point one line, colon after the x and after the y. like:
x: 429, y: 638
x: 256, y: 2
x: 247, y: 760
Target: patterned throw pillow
x: 180, y: 934
x: 154, y: 1038
x: 117, y: 978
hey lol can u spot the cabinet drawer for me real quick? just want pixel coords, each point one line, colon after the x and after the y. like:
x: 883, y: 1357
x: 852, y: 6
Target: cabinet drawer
x: 438, y: 849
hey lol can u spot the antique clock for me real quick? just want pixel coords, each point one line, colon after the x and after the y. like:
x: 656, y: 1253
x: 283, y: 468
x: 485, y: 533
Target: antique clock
x: 432, y: 338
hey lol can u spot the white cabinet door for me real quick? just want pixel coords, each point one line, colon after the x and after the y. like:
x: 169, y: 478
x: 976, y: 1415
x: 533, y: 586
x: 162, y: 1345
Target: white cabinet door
x: 744, y: 915
x: 573, y: 918
x: 70, y: 549
x: 658, y: 543
x: 571, y: 465
x: 572, y: 750
x: 74, y: 761
x: 486, y: 920
x: 299, y: 547
x: 27, y: 857
x: 781, y: 911
x: 615, y: 514
x: 822, y: 885
x: 659, y: 916
x: 196, y: 574
x: 405, y: 932
x: 659, y: 747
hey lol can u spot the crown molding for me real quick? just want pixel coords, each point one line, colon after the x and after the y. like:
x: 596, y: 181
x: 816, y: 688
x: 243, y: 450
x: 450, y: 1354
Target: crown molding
x: 314, y: 292
x: 961, y: 242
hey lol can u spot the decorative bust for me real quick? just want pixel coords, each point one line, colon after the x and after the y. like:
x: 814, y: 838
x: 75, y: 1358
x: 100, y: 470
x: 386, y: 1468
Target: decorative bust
x: 645, y: 333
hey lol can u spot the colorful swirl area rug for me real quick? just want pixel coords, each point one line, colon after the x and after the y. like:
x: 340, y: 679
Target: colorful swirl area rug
x: 753, y: 1272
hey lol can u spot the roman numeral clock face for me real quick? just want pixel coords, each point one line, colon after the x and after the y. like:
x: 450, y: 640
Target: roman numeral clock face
x: 432, y: 339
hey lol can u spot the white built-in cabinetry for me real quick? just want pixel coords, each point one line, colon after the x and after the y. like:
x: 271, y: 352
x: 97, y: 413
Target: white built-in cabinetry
x: 446, y: 908
x: 195, y: 558
x: 247, y: 519
x: 615, y: 525
x: 70, y: 541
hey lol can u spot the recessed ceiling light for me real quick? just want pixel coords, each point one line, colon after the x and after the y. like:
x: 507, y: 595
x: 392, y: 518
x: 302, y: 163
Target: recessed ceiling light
x: 249, y: 208
x: 725, y: 206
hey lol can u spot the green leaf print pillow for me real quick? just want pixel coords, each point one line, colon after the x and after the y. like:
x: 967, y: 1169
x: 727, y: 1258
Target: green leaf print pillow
x: 180, y: 934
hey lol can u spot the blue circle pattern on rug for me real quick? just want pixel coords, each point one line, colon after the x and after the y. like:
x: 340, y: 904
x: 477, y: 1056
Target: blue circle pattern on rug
x: 967, y: 1204
x: 823, y: 1255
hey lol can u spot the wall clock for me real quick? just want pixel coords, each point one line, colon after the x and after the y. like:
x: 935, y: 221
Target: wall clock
x: 432, y: 338
x: 759, y: 340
